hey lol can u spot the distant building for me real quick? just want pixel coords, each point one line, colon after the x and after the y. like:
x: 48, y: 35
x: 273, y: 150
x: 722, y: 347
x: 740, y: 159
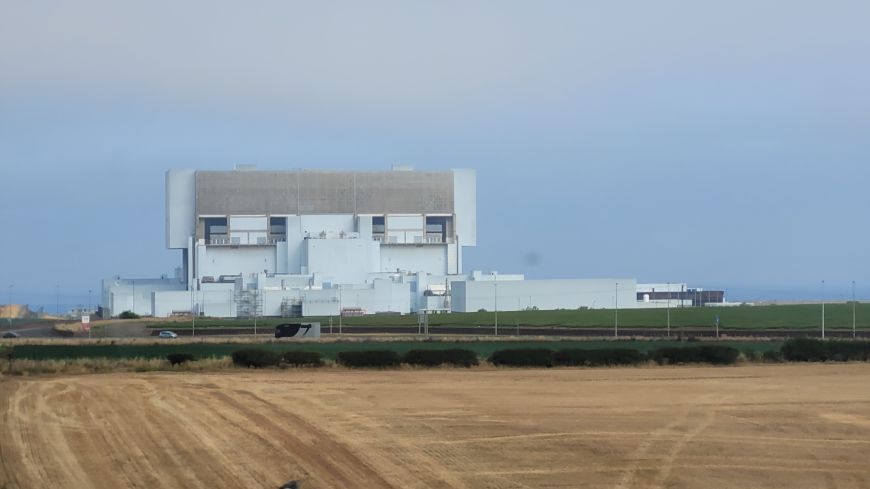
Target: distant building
x: 321, y: 243
x: 676, y: 295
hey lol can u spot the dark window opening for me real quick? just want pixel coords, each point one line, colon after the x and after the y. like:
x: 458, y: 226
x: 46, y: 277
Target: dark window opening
x: 215, y: 230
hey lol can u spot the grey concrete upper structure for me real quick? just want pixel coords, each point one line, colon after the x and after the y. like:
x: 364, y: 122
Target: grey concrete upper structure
x: 304, y: 192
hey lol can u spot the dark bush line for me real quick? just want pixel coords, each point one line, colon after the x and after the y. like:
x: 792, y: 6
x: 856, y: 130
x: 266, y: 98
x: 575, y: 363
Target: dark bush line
x: 303, y: 358
x: 256, y: 358
x: 523, y: 357
x: 800, y: 349
x: 812, y: 350
x: 179, y: 358
x: 369, y: 358
x: 713, y: 354
x: 596, y: 358
x: 432, y: 358
x: 535, y: 357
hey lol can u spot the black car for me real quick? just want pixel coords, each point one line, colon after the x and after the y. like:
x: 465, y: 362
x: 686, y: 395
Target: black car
x: 10, y: 334
x: 290, y: 330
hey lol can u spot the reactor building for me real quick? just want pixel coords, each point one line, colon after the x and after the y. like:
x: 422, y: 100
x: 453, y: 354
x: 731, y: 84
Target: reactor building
x: 326, y: 243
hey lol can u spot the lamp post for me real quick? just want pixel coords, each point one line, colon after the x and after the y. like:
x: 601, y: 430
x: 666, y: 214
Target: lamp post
x: 495, y: 300
x: 669, y: 309
x: 823, y: 309
x: 616, y: 313
x: 57, y: 300
x: 854, y: 332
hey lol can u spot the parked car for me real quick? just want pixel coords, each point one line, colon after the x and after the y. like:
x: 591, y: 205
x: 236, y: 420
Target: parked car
x: 168, y: 334
x: 10, y: 334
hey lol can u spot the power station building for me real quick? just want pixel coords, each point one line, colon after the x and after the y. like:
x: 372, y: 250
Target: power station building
x: 321, y: 243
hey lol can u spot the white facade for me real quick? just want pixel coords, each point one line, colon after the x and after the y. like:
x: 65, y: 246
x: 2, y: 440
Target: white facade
x: 315, y: 242
x: 517, y: 295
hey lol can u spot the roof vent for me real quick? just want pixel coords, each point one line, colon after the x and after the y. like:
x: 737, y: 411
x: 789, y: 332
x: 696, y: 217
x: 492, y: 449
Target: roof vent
x: 245, y: 167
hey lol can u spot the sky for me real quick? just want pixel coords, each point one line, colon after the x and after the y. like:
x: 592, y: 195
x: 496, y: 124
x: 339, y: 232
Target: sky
x: 721, y: 144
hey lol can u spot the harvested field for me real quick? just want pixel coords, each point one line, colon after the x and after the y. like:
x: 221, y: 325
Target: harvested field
x: 789, y: 426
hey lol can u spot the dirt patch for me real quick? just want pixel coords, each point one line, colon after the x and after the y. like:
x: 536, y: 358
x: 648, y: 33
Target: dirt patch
x: 795, y: 426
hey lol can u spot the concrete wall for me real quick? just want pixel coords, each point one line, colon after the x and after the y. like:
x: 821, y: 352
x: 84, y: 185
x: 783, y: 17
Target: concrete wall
x: 465, y: 205
x: 426, y: 258
x: 345, y: 261
x: 135, y: 295
x: 320, y: 303
x: 331, y: 224
x: 165, y: 302
x: 471, y: 296
x: 405, y: 228
x: 180, y: 207
x: 219, y: 260
x: 295, y: 251
x: 216, y: 300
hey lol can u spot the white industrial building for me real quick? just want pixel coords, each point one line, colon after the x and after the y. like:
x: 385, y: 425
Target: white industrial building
x: 322, y: 243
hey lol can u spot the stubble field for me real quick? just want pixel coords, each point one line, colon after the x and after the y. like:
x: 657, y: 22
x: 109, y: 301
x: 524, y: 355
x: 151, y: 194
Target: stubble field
x: 790, y: 426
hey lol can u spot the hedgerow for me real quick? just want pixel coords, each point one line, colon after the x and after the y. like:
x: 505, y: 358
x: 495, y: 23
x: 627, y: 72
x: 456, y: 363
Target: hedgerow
x: 255, y: 358
x: 714, y: 354
x: 302, y: 358
x: 369, y: 358
x: 432, y: 358
x: 179, y: 358
x: 523, y: 357
x: 812, y: 350
x: 576, y: 357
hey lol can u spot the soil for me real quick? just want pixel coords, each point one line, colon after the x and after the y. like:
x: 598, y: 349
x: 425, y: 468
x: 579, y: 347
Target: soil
x: 788, y: 426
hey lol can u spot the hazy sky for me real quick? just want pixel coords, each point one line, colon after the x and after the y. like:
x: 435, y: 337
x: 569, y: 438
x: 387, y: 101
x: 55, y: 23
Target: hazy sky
x: 723, y: 144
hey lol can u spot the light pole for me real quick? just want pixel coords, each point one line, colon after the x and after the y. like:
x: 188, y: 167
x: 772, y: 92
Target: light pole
x: 854, y: 332
x: 339, y: 309
x: 823, y: 309
x: 495, y: 300
x: 256, y: 303
x: 616, y: 313
x: 57, y: 299
x: 669, y: 309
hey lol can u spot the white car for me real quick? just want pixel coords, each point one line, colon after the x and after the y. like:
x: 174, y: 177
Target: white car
x: 167, y: 334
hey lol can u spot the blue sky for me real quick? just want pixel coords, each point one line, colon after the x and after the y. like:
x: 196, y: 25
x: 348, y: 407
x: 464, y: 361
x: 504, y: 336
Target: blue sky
x: 723, y: 144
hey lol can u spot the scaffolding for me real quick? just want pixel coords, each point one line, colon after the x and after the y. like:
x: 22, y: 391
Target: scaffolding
x: 249, y: 304
x: 291, y: 308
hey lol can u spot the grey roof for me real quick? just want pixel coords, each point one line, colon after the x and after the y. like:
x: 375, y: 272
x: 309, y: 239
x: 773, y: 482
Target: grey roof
x: 323, y: 192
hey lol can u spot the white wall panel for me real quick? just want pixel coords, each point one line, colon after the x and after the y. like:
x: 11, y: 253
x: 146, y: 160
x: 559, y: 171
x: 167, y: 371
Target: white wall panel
x: 249, y: 223
x: 544, y: 294
x: 232, y: 261
x: 427, y: 258
x: 465, y: 203
x: 180, y: 207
